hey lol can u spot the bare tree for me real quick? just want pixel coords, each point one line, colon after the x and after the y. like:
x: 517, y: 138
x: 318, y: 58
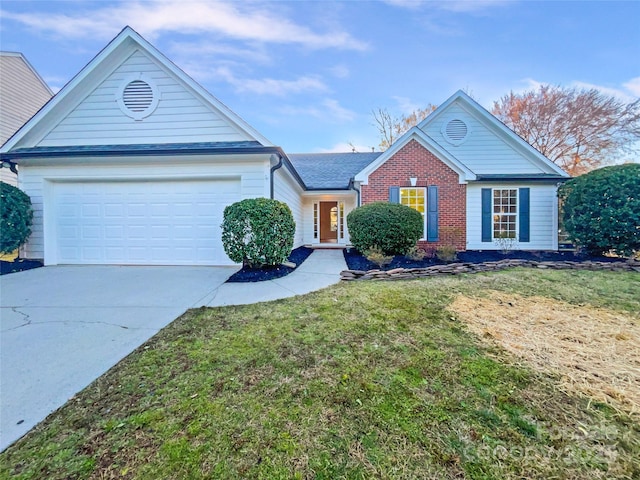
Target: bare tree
x: 579, y: 130
x: 391, y: 128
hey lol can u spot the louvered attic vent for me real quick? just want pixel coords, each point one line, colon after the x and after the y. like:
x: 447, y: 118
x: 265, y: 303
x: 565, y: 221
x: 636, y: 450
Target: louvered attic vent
x: 137, y: 96
x: 455, y: 131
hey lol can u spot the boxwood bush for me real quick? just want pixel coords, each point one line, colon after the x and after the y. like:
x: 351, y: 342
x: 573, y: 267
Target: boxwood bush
x: 16, y: 217
x: 392, y: 227
x: 601, y: 209
x: 258, y: 232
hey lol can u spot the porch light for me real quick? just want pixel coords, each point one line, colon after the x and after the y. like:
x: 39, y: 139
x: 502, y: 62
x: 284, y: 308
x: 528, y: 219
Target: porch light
x: 10, y: 165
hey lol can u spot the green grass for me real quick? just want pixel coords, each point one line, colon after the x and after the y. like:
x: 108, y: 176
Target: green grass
x: 361, y: 380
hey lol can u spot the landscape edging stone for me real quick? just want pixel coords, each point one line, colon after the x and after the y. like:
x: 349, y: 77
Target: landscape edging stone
x: 467, y: 267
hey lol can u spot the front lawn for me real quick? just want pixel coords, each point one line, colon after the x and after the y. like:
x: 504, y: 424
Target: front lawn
x: 360, y: 380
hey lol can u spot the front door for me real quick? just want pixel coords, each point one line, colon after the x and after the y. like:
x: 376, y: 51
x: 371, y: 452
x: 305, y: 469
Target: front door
x: 328, y: 222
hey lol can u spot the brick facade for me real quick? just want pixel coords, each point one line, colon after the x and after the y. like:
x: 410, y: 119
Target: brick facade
x: 413, y: 160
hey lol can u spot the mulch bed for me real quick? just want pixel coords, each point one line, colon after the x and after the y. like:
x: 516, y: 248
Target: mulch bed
x: 356, y: 261
x: 246, y: 274
x: 18, y: 265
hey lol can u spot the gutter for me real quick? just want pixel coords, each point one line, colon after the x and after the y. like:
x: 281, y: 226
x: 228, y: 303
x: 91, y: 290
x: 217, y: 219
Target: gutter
x: 273, y: 169
x: 149, y: 152
x: 352, y: 186
x: 283, y: 160
x: 523, y: 178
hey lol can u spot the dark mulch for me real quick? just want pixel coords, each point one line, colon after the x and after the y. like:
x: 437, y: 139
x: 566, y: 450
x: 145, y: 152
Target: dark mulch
x: 18, y: 265
x: 356, y: 261
x: 246, y: 274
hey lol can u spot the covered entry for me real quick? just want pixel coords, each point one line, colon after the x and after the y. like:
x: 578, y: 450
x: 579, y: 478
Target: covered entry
x: 330, y: 221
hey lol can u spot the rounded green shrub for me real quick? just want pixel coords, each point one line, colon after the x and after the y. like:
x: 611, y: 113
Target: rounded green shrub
x: 392, y: 227
x: 258, y: 232
x: 16, y: 217
x: 601, y: 209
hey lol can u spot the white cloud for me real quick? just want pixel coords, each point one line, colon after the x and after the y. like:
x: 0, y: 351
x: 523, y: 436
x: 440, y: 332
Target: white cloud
x: 337, y: 111
x: 242, y: 21
x: 628, y: 92
x: 263, y: 86
x: 342, y: 147
x: 613, y: 92
x: 340, y: 71
x: 458, y: 6
x: 405, y: 104
x: 328, y: 110
x: 220, y: 51
x: 280, y: 88
x: 633, y: 86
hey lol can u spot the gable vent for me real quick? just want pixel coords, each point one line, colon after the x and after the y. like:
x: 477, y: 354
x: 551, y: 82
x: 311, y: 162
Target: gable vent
x: 456, y: 131
x: 137, y: 96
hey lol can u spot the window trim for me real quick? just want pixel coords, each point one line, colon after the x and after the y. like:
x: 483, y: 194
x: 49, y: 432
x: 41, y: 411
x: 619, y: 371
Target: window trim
x: 425, y: 206
x: 516, y: 214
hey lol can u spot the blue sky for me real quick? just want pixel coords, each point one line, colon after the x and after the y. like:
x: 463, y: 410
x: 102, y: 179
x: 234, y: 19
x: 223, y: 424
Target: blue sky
x: 307, y: 74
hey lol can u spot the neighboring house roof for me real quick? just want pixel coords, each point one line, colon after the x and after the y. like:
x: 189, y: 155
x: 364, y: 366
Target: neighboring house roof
x: 330, y: 171
x: 22, y: 93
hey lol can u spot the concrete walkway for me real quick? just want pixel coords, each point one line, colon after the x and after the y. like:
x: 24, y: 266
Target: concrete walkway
x: 320, y: 270
x: 62, y: 327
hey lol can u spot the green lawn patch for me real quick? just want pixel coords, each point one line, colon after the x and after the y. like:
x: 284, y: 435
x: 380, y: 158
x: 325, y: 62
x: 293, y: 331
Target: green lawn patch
x: 360, y: 380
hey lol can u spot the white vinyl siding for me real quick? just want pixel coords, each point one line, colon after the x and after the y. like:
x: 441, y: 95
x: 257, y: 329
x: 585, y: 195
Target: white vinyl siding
x: 483, y: 151
x: 288, y: 191
x: 180, y: 117
x: 543, y: 227
x: 39, y: 182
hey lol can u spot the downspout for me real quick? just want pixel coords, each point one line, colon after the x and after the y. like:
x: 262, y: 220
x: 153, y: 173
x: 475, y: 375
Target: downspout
x: 273, y: 169
x: 352, y: 186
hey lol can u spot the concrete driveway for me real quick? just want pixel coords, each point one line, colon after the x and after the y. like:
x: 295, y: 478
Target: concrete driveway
x: 62, y: 327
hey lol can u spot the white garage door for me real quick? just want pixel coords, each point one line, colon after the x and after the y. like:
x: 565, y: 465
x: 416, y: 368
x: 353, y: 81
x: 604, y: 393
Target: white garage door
x: 142, y: 223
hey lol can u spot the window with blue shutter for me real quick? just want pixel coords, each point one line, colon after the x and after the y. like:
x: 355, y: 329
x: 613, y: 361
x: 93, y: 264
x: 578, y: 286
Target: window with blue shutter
x: 506, y: 214
x: 486, y: 214
x: 394, y: 195
x: 432, y: 213
x: 524, y: 216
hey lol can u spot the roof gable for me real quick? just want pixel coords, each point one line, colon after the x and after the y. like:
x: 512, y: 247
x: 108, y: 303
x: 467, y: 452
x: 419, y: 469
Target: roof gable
x: 464, y: 173
x: 89, y: 109
x: 480, y: 141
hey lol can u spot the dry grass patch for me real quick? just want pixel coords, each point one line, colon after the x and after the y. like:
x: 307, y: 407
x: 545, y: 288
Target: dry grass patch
x: 594, y: 350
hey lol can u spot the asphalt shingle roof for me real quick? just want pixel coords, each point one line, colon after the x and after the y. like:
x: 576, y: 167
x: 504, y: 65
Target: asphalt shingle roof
x: 139, y: 148
x: 330, y: 171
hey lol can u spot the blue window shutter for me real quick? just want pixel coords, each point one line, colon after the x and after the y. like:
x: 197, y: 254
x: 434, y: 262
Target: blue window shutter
x: 432, y: 214
x: 394, y: 195
x: 523, y: 198
x: 486, y: 215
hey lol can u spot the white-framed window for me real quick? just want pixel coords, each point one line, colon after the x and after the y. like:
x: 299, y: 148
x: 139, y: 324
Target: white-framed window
x: 505, y: 213
x: 416, y: 198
